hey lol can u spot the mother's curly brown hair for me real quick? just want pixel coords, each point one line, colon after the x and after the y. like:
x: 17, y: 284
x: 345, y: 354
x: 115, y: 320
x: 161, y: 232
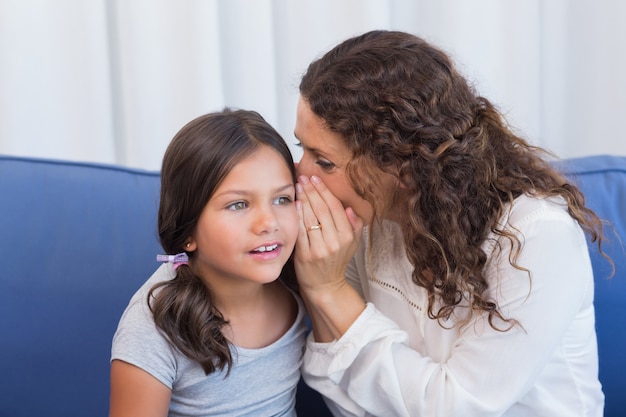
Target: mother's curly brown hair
x: 402, y: 106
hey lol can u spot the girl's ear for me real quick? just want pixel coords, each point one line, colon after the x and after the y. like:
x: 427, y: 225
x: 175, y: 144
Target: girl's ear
x: 191, y: 245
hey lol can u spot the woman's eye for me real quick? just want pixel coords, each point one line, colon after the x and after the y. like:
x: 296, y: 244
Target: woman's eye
x: 239, y: 205
x: 283, y: 200
x: 325, y: 165
x: 322, y: 163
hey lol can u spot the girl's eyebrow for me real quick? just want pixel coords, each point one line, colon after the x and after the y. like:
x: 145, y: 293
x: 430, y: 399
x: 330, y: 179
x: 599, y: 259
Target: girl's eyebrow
x: 286, y: 187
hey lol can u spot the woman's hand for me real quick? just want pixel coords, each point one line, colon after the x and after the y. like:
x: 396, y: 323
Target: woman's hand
x: 328, y: 237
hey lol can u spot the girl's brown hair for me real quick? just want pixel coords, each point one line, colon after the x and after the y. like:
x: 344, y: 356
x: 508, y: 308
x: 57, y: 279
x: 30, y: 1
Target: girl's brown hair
x: 402, y: 107
x: 195, y: 163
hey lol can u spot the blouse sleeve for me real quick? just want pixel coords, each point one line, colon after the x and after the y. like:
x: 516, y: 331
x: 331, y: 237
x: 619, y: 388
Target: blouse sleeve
x: 371, y: 370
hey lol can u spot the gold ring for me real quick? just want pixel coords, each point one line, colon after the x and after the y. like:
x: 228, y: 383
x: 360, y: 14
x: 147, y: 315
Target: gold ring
x: 316, y: 227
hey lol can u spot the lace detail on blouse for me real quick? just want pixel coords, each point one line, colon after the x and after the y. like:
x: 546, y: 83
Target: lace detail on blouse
x: 388, y: 259
x: 396, y: 289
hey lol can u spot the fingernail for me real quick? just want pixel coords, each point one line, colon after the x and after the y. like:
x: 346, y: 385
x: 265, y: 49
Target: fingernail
x: 302, y: 179
x: 315, y: 180
x: 298, y: 188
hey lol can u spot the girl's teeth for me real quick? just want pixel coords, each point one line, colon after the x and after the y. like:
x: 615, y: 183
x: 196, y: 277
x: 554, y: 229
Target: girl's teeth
x: 266, y: 248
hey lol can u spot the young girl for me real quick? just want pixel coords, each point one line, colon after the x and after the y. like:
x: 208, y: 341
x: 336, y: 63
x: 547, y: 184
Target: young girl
x: 213, y: 332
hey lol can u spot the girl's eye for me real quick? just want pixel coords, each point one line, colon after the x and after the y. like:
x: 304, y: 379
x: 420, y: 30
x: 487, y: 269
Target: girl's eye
x: 239, y: 205
x: 283, y: 200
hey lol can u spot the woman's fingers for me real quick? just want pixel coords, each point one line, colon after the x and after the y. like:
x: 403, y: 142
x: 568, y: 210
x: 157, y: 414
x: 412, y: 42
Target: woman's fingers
x: 323, y: 236
x: 318, y: 206
x: 326, y: 207
x: 316, y: 210
x: 355, y: 222
x: 307, y: 219
x: 334, y: 207
x: 323, y: 252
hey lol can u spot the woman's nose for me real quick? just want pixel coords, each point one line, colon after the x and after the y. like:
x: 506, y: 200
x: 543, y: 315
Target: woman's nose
x: 303, y: 166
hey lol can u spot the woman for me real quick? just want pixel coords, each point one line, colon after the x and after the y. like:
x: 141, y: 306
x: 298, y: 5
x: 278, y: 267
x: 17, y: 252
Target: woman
x: 470, y: 286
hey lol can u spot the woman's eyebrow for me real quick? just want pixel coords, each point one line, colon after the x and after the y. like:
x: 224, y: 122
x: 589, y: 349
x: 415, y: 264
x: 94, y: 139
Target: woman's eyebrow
x: 303, y: 145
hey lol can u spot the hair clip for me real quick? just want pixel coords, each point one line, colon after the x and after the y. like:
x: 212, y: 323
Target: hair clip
x: 178, y: 259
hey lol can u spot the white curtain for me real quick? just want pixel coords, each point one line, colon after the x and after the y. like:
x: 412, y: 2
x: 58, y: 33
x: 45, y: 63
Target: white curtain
x: 113, y: 80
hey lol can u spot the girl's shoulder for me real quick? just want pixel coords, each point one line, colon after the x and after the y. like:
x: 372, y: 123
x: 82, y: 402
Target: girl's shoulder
x: 137, y: 307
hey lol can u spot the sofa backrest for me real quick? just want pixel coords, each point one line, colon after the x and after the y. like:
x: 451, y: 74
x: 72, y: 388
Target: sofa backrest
x: 603, y: 181
x: 77, y: 240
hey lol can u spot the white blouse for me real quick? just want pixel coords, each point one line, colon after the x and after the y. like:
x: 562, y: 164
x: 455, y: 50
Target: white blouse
x: 395, y: 361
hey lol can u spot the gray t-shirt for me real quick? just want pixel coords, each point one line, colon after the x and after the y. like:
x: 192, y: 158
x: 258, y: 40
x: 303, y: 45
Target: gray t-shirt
x: 262, y: 382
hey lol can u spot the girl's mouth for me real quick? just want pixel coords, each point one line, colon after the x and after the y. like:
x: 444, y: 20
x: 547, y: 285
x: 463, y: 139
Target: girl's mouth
x: 262, y: 249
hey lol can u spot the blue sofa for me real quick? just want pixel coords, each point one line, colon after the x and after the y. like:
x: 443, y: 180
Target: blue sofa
x: 77, y: 239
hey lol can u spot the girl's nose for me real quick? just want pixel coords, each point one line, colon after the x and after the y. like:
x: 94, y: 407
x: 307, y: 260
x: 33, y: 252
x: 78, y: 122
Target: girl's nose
x: 266, y: 220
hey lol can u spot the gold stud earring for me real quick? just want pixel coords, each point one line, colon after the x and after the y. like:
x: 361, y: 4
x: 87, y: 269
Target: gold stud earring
x: 188, y: 245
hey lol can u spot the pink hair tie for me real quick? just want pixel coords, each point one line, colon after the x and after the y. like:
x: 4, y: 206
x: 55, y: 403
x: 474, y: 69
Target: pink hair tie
x: 178, y: 259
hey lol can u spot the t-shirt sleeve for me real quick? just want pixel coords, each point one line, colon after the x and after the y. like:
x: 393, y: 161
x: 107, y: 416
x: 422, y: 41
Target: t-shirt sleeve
x: 139, y: 342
